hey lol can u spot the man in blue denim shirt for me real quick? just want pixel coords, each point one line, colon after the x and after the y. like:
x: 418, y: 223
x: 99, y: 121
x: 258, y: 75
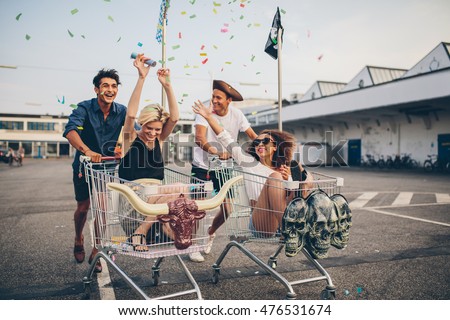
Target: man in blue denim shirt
x: 93, y: 129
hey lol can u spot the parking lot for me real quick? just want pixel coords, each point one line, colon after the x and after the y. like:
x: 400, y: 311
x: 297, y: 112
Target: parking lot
x: 399, y: 244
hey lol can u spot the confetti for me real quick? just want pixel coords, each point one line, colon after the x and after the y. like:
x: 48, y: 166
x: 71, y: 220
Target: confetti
x: 179, y: 35
x: 185, y: 95
x: 258, y: 72
x: 110, y: 18
x: 80, y: 128
x: 176, y: 47
x: 253, y: 58
x: 183, y: 13
x: 193, y: 16
x: 74, y: 11
x: 228, y: 62
x: 257, y: 24
x: 346, y: 292
x: 83, y: 36
x: 242, y: 5
x: 282, y: 11
x: 215, y: 11
x: 320, y: 57
x: 308, y: 33
x: 70, y: 33
x: 249, y: 25
x: 216, y: 4
x: 215, y: 47
x: 27, y: 37
x: 202, y: 47
x: 139, y: 44
x: 192, y: 2
x: 359, y: 290
x: 231, y: 37
x: 171, y: 58
x: 203, y: 54
x: 223, y: 30
x: 205, y: 61
x: 119, y: 39
x: 62, y: 100
x: 18, y: 16
x: 241, y: 17
x: 186, y: 66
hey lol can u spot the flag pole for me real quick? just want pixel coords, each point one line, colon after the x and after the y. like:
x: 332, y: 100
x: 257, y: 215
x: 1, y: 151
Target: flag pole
x: 280, y: 95
x: 163, y: 54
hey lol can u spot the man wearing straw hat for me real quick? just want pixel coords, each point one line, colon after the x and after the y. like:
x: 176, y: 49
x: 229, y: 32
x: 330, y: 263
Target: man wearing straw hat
x: 233, y: 120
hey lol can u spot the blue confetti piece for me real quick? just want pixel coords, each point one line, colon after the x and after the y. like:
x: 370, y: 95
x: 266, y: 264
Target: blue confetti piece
x: 359, y: 290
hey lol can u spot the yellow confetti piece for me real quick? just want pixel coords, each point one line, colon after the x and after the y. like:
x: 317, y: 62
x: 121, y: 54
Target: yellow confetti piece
x: 186, y: 66
x: 110, y: 18
x: 228, y: 62
x: 80, y: 128
x: 183, y: 13
x: 74, y: 11
x: 215, y: 47
x: 215, y: 11
x: 203, y: 54
x: 18, y: 16
x: 257, y: 24
x: 216, y: 4
x: 27, y: 37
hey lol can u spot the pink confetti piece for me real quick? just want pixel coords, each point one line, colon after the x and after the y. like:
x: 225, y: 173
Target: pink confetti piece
x: 202, y: 47
x: 226, y: 25
x: 224, y: 30
x: 308, y: 33
x: 242, y: 5
x: 205, y: 61
x: 179, y: 35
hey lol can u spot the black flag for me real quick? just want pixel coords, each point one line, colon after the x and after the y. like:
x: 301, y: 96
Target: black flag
x: 272, y: 42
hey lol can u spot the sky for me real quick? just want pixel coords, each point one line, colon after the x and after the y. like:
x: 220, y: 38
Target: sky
x: 52, y: 49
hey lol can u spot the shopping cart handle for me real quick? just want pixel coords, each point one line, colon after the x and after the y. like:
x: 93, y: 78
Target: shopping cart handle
x: 84, y: 159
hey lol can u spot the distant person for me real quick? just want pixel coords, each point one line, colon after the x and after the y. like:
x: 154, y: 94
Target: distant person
x: 20, y: 155
x: 93, y: 129
x: 231, y: 119
x: 10, y: 155
x: 142, y: 149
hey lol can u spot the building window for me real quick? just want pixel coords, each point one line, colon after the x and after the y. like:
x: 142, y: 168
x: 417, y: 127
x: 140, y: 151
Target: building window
x: 187, y: 128
x: 11, y: 125
x: 41, y: 126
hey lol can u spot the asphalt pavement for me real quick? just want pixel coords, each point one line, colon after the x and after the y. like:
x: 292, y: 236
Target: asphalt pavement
x: 399, y: 244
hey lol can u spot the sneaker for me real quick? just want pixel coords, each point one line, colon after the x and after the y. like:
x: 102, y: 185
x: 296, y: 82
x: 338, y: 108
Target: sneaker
x: 196, y: 257
x: 210, y: 243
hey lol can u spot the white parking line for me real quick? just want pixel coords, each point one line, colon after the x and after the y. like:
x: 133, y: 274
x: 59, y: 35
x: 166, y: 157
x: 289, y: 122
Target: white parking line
x: 407, y: 217
x: 362, y: 200
x: 104, y: 283
x: 442, y: 198
x: 403, y: 198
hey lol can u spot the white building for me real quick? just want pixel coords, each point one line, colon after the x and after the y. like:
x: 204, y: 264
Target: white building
x: 381, y: 112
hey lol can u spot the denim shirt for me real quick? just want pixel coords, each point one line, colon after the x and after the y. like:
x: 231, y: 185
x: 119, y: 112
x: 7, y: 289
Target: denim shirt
x: 98, y: 134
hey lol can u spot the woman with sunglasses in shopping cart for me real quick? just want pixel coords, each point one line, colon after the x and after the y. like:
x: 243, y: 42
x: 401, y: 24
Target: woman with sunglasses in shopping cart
x: 269, y: 155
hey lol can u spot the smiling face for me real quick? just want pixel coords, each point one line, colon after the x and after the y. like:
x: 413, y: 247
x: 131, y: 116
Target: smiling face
x: 265, y: 147
x: 151, y: 130
x: 220, y: 102
x: 107, y: 91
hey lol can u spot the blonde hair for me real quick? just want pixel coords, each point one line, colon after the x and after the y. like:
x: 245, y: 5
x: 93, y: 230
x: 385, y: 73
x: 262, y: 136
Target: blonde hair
x: 153, y: 112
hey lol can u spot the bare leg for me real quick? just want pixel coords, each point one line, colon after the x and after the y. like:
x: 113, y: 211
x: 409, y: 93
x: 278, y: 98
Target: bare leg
x: 220, y: 217
x: 80, y: 216
x: 270, y: 206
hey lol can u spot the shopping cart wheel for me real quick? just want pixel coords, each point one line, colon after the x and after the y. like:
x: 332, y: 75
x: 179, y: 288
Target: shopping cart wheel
x: 215, y: 277
x: 328, y: 294
x: 87, y: 288
x: 272, y: 263
x: 155, y: 277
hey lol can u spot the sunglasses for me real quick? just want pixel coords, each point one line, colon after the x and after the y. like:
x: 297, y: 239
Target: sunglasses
x: 265, y: 141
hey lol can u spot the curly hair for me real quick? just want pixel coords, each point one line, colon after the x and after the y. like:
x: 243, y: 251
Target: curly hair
x: 285, y: 145
x: 105, y: 73
x: 153, y: 112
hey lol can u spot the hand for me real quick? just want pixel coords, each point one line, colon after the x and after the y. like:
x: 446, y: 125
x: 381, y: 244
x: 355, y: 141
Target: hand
x: 201, y: 109
x: 143, y: 69
x: 285, y: 171
x: 95, y: 157
x: 224, y: 155
x: 164, y: 77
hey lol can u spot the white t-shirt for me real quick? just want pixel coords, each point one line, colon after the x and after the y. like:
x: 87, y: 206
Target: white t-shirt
x: 233, y: 122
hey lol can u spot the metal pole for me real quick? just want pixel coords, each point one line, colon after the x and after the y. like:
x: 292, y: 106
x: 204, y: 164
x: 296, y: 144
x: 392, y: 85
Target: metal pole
x: 280, y: 95
x: 163, y: 46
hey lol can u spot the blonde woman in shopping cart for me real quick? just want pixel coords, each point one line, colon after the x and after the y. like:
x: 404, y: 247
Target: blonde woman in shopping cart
x: 142, y: 148
x: 269, y: 156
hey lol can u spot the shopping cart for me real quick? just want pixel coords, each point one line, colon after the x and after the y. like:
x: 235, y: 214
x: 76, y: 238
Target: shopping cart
x: 241, y: 209
x: 120, y: 207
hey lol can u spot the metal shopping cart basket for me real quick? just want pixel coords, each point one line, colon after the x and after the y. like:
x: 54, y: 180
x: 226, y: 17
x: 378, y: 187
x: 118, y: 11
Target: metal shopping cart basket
x: 241, y: 229
x: 120, y: 207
